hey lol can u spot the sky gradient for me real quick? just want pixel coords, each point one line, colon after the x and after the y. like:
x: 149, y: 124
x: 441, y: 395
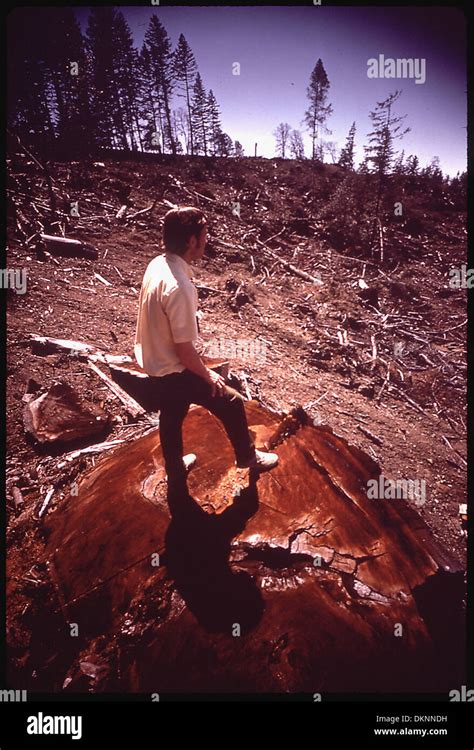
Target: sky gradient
x: 277, y: 48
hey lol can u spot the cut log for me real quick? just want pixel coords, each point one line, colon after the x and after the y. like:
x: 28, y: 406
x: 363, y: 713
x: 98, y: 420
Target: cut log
x: 59, y: 416
x: 209, y: 289
x: 69, y: 248
x: 232, y: 245
x: 79, y: 349
x: 48, y: 345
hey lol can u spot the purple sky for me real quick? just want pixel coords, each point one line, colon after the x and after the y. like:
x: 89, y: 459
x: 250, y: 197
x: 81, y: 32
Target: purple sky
x: 277, y: 48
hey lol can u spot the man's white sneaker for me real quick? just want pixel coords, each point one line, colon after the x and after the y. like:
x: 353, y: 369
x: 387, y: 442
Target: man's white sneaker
x: 188, y: 461
x: 261, y: 461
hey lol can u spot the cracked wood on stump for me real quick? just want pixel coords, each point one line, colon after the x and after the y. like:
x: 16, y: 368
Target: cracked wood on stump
x: 316, y: 576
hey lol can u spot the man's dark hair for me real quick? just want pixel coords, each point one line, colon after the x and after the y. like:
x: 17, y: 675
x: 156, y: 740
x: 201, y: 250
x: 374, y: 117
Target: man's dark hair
x: 179, y: 225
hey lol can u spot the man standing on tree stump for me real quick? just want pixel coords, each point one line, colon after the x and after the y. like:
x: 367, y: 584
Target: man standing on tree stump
x: 164, y: 347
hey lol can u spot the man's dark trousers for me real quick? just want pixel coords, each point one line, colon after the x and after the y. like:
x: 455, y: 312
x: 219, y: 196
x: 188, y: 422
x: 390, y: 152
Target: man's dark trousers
x: 174, y: 394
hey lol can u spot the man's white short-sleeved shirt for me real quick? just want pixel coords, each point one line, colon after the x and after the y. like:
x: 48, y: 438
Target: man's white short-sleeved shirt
x: 167, y: 309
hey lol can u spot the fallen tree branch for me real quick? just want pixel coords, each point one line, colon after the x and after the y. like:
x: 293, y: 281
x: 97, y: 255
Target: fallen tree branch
x: 209, y: 288
x: 199, y: 195
x: 169, y: 204
x: 101, y: 278
x: 297, y: 271
x: 132, y: 406
x: 46, y: 502
x: 142, y: 211
x: 453, y: 449
x: 232, y: 245
x: 369, y: 434
x: 407, y: 398
x: 387, y: 378
x: 97, y: 448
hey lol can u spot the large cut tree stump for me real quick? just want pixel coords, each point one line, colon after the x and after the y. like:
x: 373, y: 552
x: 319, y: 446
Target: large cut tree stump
x: 299, y: 582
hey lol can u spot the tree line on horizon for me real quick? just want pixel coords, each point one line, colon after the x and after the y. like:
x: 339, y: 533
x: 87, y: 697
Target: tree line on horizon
x: 75, y: 93
x: 380, y: 156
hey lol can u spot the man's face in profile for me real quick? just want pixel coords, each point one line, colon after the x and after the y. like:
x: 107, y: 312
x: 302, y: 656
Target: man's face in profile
x: 197, y: 246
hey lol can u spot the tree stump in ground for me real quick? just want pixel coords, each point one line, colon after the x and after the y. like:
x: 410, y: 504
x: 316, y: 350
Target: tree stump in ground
x: 295, y: 582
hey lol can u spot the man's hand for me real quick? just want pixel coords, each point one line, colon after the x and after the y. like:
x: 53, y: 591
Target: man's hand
x: 217, y: 383
x: 189, y: 357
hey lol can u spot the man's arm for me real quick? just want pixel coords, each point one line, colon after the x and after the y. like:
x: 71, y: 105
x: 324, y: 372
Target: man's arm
x: 189, y: 357
x: 180, y: 310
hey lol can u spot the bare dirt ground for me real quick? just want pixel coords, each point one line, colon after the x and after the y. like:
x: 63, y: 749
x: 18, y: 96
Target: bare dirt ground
x: 403, y: 402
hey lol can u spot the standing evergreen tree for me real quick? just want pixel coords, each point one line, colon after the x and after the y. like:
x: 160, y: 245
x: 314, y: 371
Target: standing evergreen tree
x: 387, y: 129
x: 185, y: 70
x: 318, y: 111
x: 363, y: 167
x: 127, y: 74
x: 150, y: 107
x: 399, y: 166
x: 412, y: 165
x: 69, y: 76
x: 238, y: 150
x: 214, y: 122
x: 226, y: 147
x: 200, y: 117
x: 30, y: 93
x: 107, y: 116
x: 433, y: 170
x: 160, y: 61
x: 458, y: 190
x: 380, y: 151
x: 346, y: 158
